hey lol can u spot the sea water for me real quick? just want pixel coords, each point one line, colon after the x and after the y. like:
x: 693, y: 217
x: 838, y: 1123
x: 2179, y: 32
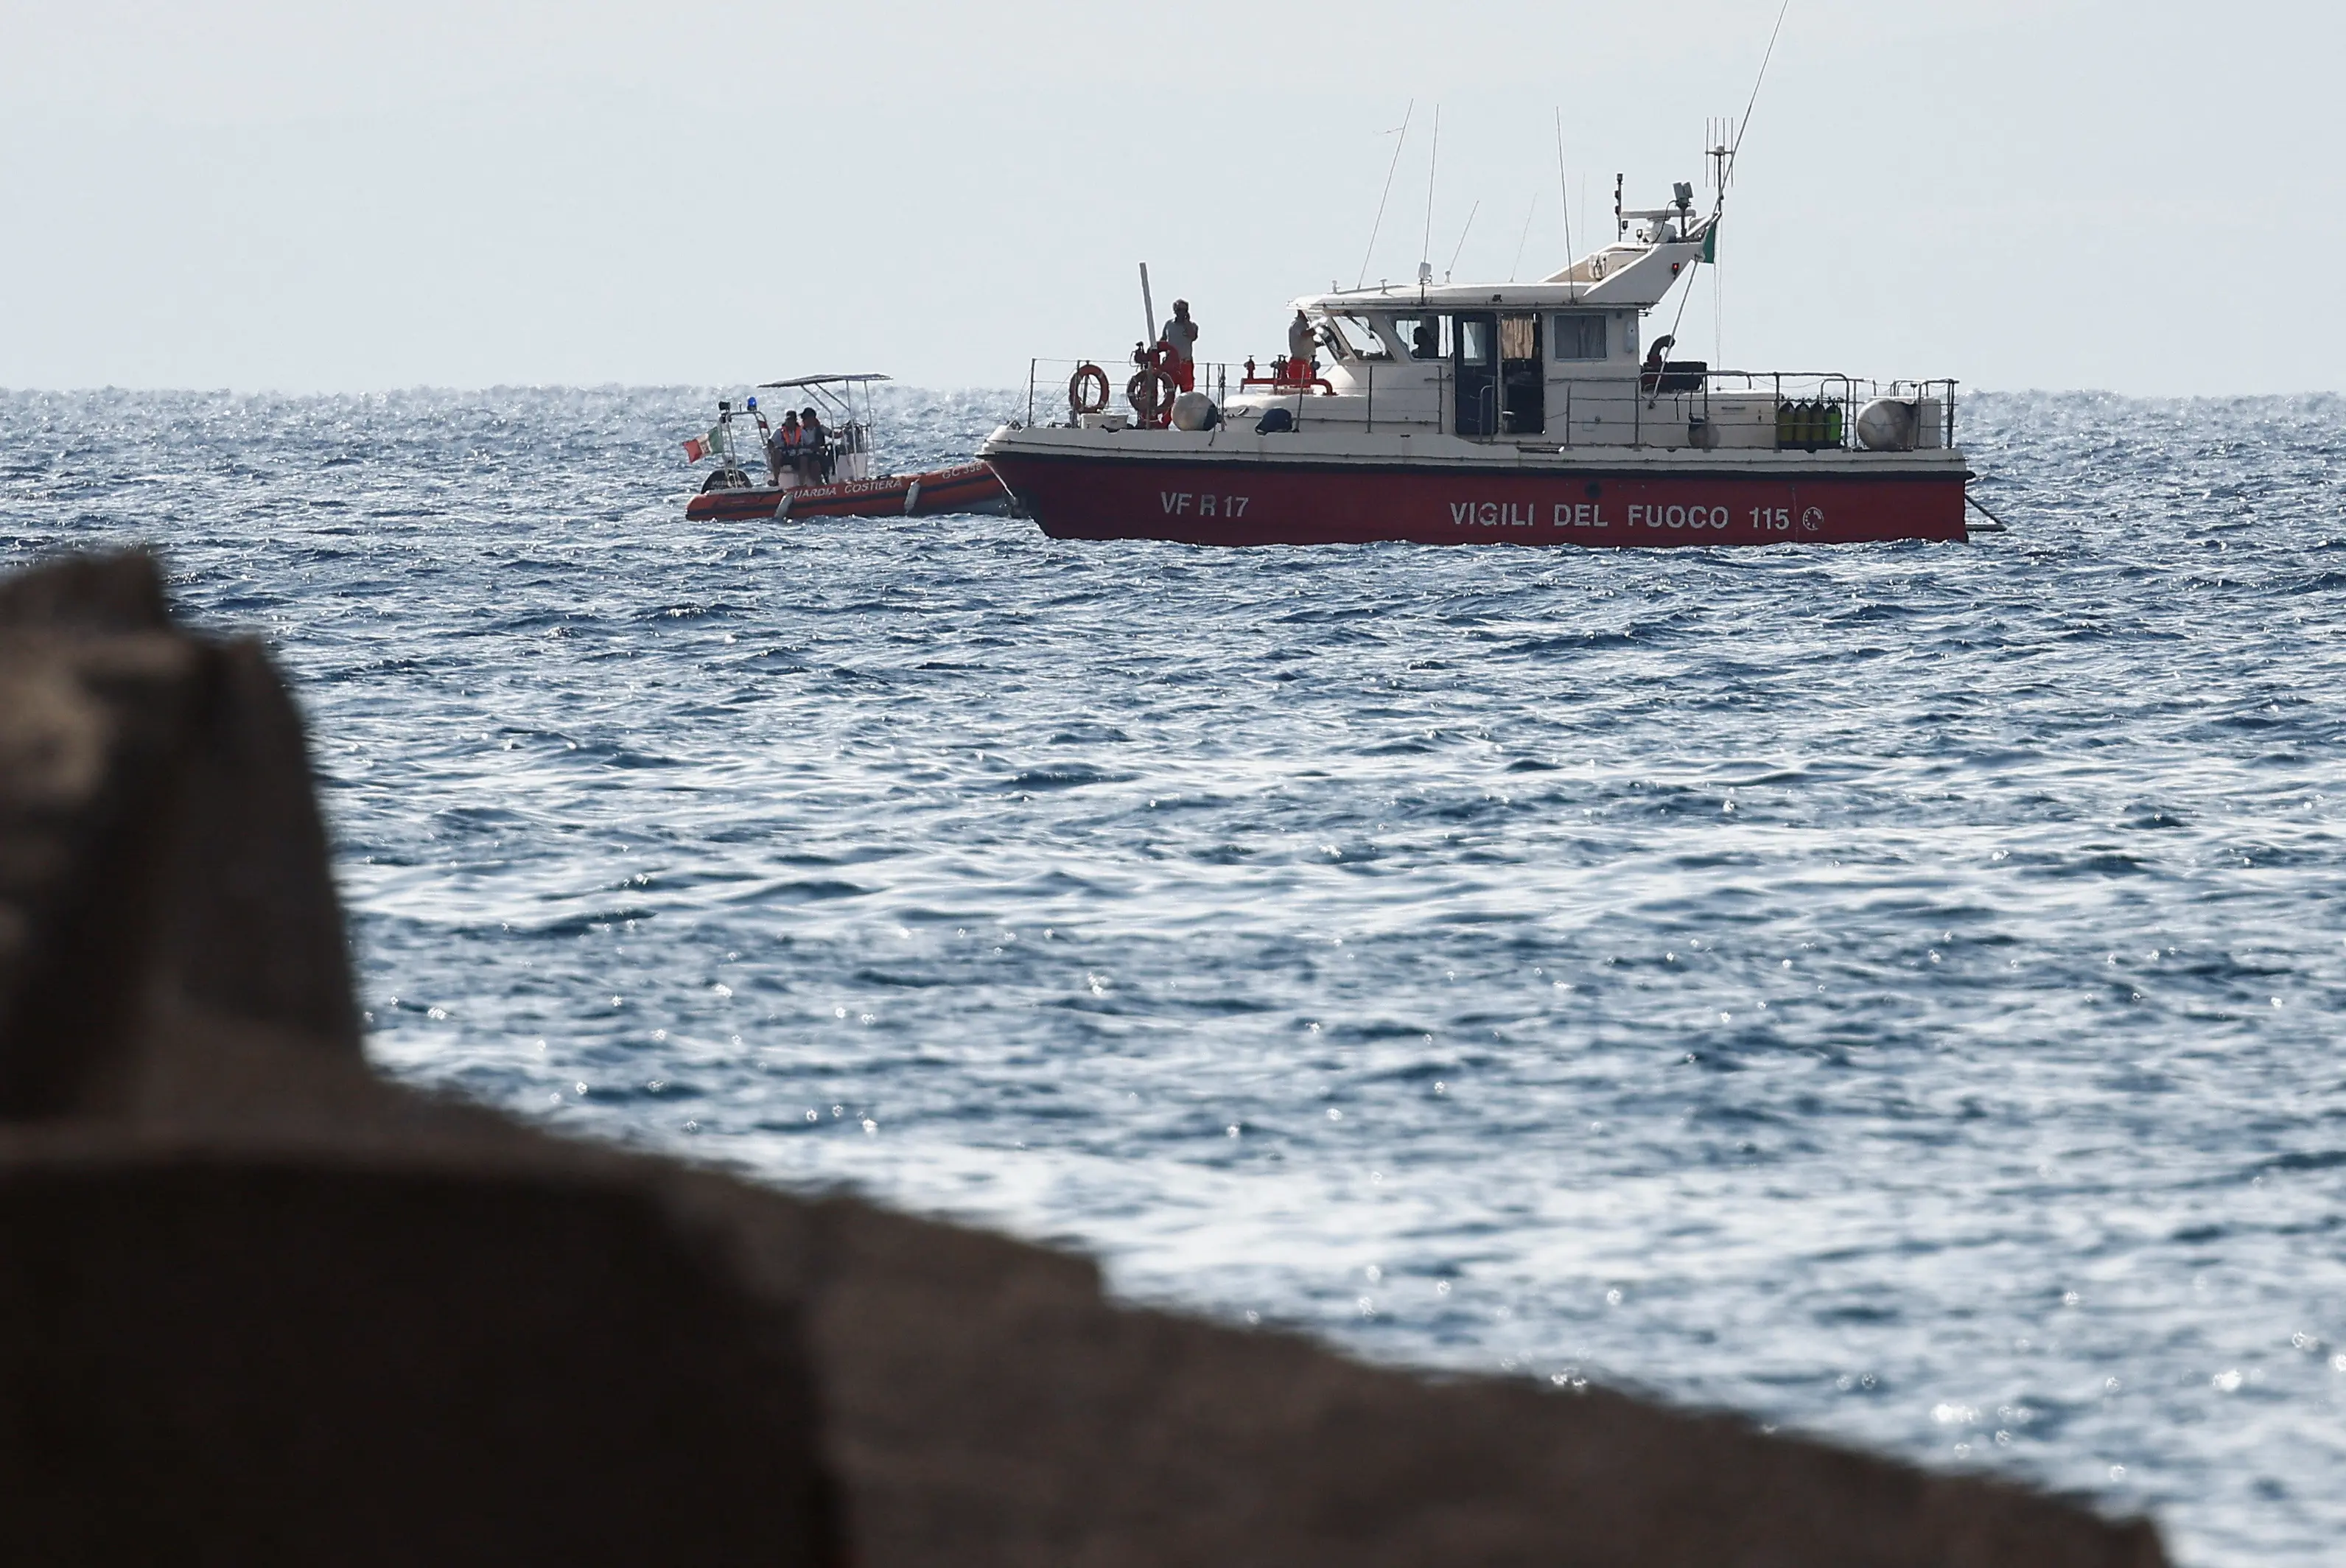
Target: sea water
x: 1894, y: 992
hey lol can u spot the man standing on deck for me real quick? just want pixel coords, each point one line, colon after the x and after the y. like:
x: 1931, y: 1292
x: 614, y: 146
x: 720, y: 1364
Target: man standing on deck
x: 814, y: 446
x: 1300, y: 346
x: 1180, y: 340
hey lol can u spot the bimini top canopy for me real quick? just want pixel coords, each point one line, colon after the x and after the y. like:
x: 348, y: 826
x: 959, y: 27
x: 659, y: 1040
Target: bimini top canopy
x: 822, y: 381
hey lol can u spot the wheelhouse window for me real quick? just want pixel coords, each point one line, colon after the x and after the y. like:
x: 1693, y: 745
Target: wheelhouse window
x: 1419, y: 337
x: 1342, y: 337
x: 1474, y: 340
x: 1579, y: 335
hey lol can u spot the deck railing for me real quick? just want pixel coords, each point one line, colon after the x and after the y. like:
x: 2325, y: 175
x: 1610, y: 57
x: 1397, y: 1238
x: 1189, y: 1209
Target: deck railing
x: 1836, y: 389
x: 1050, y: 384
x: 1812, y: 410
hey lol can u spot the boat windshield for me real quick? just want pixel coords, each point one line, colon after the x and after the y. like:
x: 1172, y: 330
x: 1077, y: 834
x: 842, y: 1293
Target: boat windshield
x: 1352, y: 337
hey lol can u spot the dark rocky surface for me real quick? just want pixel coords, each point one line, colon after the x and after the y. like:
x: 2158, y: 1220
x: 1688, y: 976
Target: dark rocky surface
x: 258, y: 1305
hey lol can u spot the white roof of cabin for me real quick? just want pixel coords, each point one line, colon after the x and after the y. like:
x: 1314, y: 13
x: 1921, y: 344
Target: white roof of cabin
x: 1625, y: 275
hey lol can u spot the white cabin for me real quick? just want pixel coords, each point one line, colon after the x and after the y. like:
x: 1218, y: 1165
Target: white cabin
x: 1557, y: 364
x: 1556, y: 360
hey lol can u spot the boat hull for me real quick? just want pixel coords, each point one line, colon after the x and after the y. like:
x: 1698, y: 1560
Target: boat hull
x: 965, y: 487
x: 1692, y: 501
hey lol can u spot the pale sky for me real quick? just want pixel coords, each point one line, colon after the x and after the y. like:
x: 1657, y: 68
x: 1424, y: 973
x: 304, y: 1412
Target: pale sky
x: 261, y: 194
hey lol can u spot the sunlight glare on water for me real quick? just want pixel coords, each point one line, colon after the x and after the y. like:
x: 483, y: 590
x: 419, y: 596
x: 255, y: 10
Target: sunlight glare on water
x: 1892, y: 992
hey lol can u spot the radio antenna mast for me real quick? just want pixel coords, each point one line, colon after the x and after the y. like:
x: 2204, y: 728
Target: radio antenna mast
x: 1728, y: 165
x: 1526, y: 239
x: 1432, y: 167
x: 1368, y: 254
x: 1564, y: 199
x: 1462, y: 242
x: 1745, y: 125
x: 1717, y: 137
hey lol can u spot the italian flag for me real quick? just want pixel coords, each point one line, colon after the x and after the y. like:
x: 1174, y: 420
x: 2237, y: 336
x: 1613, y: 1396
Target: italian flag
x: 699, y: 446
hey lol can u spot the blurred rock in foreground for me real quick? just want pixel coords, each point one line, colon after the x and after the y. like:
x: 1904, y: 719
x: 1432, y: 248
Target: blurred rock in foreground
x: 258, y: 1305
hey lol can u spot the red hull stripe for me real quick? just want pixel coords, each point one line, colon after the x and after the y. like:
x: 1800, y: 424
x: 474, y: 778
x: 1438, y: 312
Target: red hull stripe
x: 944, y: 489
x: 1077, y: 497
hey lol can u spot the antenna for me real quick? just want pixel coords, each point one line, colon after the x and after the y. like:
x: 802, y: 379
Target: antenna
x: 1462, y: 242
x: 1432, y: 164
x: 1379, y: 223
x: 1564, y: 199
x: 1719, y: 138
x: 1526, y: 238
x: 1733, y: 148
x: 1620, y: 223
x: 1736, y: 144
x: 1718, y: 147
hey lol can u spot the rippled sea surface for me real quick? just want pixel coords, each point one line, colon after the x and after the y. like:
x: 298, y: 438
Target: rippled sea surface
x: 1893, y: 991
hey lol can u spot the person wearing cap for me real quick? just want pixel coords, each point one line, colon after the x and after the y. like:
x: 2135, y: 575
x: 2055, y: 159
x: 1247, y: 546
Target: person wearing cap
x: 1180, y: 340
x: 1300, y: 347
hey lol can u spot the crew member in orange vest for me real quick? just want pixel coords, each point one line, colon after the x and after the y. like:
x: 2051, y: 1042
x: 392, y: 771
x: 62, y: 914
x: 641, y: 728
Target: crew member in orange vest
x: 782, y: 451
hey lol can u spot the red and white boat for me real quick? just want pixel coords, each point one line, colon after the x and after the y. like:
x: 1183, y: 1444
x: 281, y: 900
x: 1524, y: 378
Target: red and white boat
x: 835, y: 479
x: 1459, y: 413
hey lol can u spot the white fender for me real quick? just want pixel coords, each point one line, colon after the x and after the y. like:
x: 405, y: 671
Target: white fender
x: 911, y: 496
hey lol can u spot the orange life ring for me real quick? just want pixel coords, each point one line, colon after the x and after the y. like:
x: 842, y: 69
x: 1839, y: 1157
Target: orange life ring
x: 1150, y: 394
x: 1087, y: 390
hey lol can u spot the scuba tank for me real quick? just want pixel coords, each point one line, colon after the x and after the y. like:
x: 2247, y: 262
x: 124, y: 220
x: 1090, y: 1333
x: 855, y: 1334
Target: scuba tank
x: 1808, y: 423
